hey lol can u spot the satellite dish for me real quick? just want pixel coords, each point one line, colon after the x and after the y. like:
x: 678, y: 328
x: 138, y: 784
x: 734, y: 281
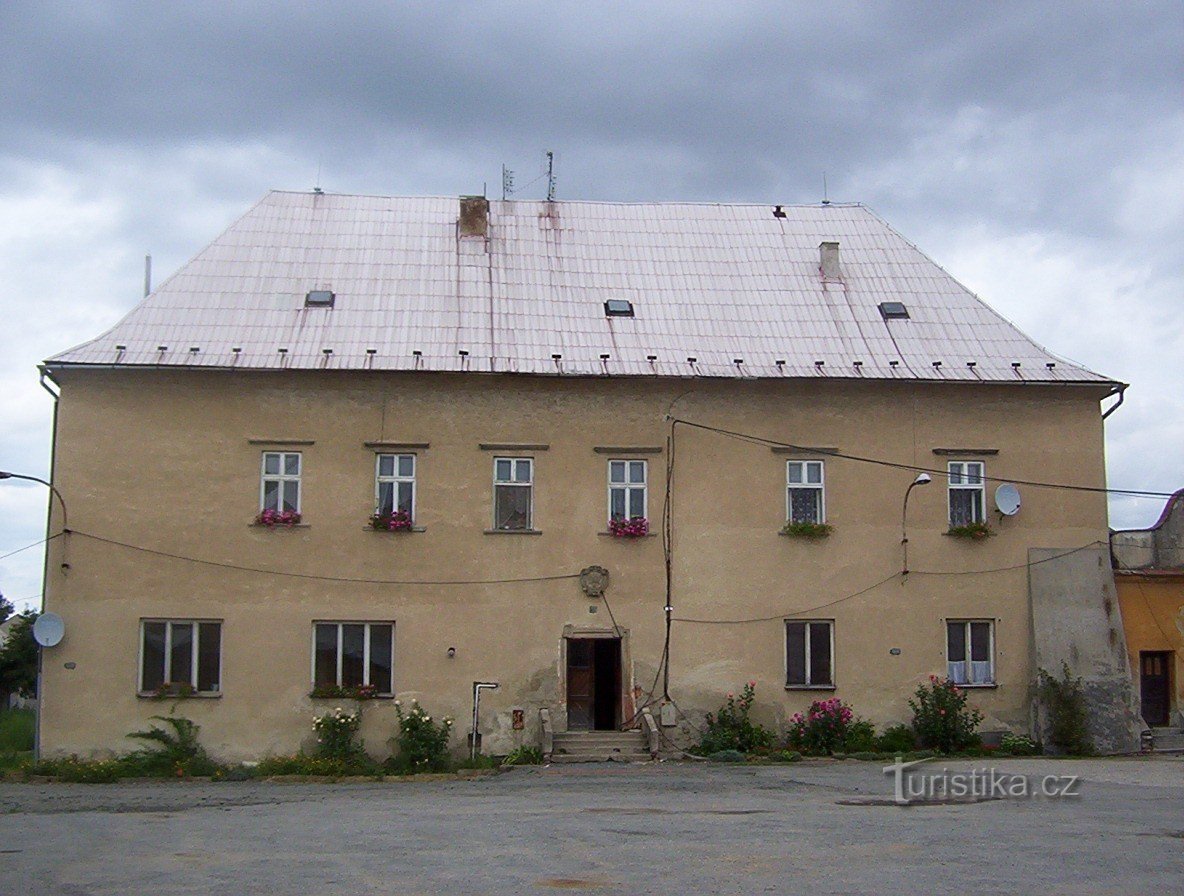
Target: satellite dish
x: 48, y: 629
x: 1007, y: 499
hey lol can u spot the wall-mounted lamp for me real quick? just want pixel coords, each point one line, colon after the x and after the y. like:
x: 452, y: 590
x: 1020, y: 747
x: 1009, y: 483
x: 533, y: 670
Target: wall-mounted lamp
x: 922, y: 479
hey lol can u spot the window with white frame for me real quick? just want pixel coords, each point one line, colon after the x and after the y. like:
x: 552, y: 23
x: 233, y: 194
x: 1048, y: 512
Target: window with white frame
x: 809, y: 653
x: 967, y: 492
x: 805, y: 501
x: 354, y: 655
x: 970, y: 651
x: 626, y: 489
x: 177, y: 653
x: 279, y: 489
x: 513, y: 492
x: 394, y: 489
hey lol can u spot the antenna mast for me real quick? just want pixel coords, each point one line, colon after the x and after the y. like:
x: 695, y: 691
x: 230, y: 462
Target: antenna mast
x: 825, y: 194
x: 507, y: 182
x: 550, y: 176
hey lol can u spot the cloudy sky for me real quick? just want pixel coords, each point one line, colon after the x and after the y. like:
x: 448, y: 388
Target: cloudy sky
x: 1035, y: 150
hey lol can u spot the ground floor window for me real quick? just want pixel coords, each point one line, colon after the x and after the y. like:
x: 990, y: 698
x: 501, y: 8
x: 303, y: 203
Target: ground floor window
x: 809, y: 653
x: 970, y: 651
x: 354, y: 654
x: 181, y: 653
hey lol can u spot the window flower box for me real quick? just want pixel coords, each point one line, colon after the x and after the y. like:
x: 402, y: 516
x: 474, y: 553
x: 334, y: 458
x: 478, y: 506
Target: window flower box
x: 273, y: 518
x: 634, y: 527
x: 807, y: 530
x: 174, y: 689
x: 399, y: 521
x: 973, y: 531
x: 347, y: 692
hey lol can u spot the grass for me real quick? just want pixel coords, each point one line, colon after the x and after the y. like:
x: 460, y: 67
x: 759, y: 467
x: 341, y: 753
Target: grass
x: 16, y: 730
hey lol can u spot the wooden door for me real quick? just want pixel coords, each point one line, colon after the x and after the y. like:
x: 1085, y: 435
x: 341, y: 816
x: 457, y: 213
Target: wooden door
x: 1155, y: 686
x: 581, y: 684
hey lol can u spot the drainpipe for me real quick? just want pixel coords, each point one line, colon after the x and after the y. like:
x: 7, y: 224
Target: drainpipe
x: 53, y: 457
x: 1114, y: 407
x: 478, y: 687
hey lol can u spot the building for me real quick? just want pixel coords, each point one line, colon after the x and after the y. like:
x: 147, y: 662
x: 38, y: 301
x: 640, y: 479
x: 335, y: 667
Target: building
x: 1149, y: 572
x: 497, y: 381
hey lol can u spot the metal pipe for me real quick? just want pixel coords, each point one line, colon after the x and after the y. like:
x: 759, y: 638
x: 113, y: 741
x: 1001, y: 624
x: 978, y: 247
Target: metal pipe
x: 478, y: 687
x: 1117, y: 404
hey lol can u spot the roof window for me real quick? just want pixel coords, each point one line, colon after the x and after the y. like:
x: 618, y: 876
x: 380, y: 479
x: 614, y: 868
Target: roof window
x: 319, y: 298
x: 894, y: 311
x: 618, y: 308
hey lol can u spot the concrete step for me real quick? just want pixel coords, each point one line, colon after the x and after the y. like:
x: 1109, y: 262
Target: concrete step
x: 600, y: 746
x: 1168, y: 740
x: 561, y: 758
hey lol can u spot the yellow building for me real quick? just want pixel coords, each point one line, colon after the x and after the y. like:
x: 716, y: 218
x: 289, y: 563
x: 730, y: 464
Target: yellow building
x: 394, y: 447
x: 1149, y: 572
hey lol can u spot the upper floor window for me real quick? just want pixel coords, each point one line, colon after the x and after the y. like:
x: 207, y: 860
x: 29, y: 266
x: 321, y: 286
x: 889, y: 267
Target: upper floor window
x: 354, y: 655
x: 395, y: 485
x: 967, y: 492
x: 970, y: 651
x: 513, y: 492
x: 809, y: 653
x: 280, y: 486
x: 805, y: 499
x: 626, y: 489
x: 180, y: 654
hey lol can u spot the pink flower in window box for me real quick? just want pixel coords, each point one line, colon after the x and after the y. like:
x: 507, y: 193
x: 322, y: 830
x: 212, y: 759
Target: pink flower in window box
x: 273, y: 518
x: 634, y: 527
x: 399, y: 521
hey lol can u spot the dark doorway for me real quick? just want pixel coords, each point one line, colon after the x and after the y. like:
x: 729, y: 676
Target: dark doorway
x: 593, y: 684
x: 1155, y: 685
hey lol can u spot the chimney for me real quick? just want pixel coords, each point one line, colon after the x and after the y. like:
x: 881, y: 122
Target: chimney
x: 829, y: 253
x: 474, y: 216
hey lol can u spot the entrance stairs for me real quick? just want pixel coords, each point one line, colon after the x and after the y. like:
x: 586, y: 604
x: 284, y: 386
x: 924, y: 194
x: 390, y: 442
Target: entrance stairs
x: 1168, y: 740
x: 600, y: 746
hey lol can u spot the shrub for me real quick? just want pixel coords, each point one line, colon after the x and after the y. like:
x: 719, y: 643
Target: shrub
x: 731, y: 729
x: 423, y: 744
x: 822, y: 729
x: 785, y: 756
x: 79, y: 771
x: 941, y: 718
x: 16, y: 730
x: 328, y: 766
x: 524, y: 756
x: 1064, y: 699
x: 727, y: 756
x: 861, y: 737
x: 177, y: 751
x: 896, y: 739
x: 335, y: 734
x: 1018, y: 745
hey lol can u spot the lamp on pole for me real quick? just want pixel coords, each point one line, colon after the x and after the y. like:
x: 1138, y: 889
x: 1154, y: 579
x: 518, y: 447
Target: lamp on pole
x: 922, y: 479
x: 49, y: 485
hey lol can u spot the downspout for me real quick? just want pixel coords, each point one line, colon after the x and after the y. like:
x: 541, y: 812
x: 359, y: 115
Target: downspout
x: 478, y: 687
x: 1121, y: 396
x: 53, y: 455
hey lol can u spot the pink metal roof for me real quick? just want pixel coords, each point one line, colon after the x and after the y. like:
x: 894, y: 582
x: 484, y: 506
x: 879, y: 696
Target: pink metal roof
x: 732, y: 286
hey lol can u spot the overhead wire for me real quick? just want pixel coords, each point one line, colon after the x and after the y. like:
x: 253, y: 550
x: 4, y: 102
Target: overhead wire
x: 31, y: 546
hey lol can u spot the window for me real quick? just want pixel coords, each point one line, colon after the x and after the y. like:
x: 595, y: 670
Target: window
x: 809, y: 654
x: 626, y: 489
x: 177, y: 652
x: 804, y: 492
x: 280, y: 487
x: 319, y: 298
x: 970, y: 651
x: 395, y: 484
x: 354, y: 654
x: 513, y: 485
x: 967, y: 503
x: 618, y: 308
x: 894, y: 311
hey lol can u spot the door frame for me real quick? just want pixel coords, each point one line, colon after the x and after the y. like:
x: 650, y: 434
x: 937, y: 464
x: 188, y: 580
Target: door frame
x: 625, y: 699
x: 1169, y: 658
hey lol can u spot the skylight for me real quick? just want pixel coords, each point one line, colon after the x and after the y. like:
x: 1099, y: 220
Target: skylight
x: 319, y: 298
x: 894, y: 311
x: 618, y: 308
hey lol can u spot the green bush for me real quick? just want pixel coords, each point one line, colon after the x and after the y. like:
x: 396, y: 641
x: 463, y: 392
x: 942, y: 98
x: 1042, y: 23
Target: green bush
x: 1064, y: 700
x: 823, y: 728
x: 79, y: 771
x: 524, y: 756
x: 896, y: 739
x: 941, y: 718
x: 335, y: 735
x: 861, y: 737
x: 423, y: 744
x: 16, y: 730
x: 785, y: 756
x: 727, y: 756
x: 731, y: 729
x: 177, y: 752
x: 1018, y: 745
x: 322, y: 766
x: 480, y: 761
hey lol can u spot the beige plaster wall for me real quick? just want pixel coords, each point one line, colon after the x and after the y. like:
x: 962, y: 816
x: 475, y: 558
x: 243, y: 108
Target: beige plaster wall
x: 164, y: 460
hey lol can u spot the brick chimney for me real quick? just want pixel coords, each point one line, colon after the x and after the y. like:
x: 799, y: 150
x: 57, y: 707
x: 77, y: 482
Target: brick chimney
x: 474, y: 216
x: 829, y: 260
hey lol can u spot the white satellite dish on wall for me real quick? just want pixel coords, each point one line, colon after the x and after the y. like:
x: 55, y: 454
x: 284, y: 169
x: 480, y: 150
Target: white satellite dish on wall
x: 1007, y: 499
x: 49, y: 629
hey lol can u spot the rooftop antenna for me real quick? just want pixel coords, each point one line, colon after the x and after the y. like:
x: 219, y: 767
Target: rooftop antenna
x: 317, y: 187
x: 507, y: 182
x: 825, y: 194
x: 147, y: 275
x: 550, y: 176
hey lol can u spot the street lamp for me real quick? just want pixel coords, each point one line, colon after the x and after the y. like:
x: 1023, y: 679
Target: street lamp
x: 48, y: 485
x: 922, y: 479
